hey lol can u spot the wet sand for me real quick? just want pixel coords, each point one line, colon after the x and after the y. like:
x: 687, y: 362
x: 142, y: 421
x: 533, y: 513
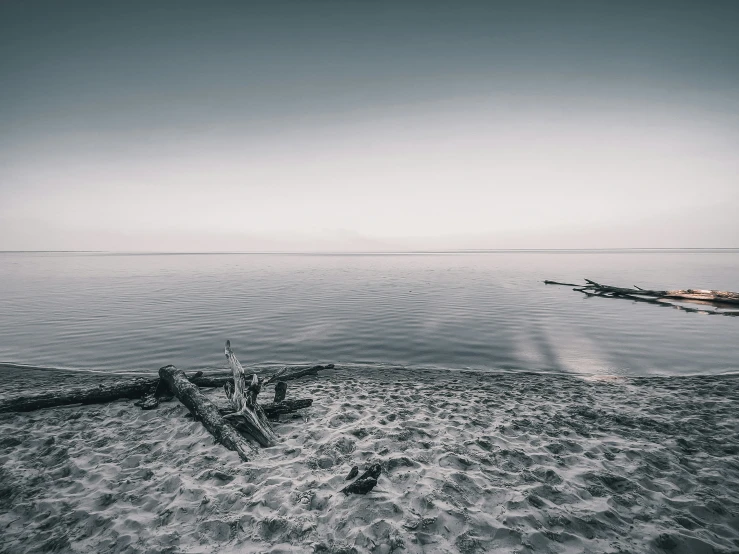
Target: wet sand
x: 472, y: 462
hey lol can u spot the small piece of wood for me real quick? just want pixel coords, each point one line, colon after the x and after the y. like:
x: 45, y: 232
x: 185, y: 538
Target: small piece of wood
x: 373, y: 471
x: 360, y: 486
x: 280, y: 391
x: 205, y: 411
x: 546, y: 282
x: 365, y: 483
x: 148, y: 402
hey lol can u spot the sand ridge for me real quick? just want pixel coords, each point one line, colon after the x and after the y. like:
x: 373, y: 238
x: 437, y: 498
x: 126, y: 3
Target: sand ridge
x: 472, y: 462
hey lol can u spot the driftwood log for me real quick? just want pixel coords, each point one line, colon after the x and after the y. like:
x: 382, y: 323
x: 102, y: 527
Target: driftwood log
x: 716, y: 298
x: 289, y: 374
x: 145, y: 389
x: 130, y: 388
x: 137, y: 388
x: 204, y: 410
x: 245, y: 416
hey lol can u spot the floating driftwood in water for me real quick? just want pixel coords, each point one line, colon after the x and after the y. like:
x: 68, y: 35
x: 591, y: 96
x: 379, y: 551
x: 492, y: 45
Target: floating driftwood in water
x: 716, y: 298
x: 205, y: 411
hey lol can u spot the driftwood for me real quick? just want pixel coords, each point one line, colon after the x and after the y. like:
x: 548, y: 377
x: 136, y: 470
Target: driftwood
x: 285, y: 374
x: 146, y: 390
x: 204, y: 410
x: 716, y: 298
x: 131, y: 388
x: 249, y: 416
x: 275, y: 409
x: 280, y: 391
x: 289, y: 374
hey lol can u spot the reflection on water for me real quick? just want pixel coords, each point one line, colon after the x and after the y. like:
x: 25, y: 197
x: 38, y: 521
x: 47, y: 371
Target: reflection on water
x: 479, y: 310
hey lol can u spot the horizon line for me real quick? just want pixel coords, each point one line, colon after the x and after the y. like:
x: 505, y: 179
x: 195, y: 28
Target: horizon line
x: 338, y: 252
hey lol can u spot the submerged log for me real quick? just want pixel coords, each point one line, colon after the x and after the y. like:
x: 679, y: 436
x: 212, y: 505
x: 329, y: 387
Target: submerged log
x: 204, y: 410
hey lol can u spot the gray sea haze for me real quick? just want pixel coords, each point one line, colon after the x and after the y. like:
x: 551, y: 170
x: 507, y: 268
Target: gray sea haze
x: 489, y: 310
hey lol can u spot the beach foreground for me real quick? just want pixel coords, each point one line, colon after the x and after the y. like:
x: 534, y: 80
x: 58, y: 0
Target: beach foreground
x: 472, y: 462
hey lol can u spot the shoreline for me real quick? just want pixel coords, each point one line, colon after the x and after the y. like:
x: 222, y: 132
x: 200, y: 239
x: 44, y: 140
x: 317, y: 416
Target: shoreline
x: 472, y: 462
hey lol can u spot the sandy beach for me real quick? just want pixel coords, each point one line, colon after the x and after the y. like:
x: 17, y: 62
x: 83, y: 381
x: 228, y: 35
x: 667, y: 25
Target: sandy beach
x: 472, y: 462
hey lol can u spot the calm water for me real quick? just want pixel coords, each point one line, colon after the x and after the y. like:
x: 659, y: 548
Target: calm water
x: 457, y: 310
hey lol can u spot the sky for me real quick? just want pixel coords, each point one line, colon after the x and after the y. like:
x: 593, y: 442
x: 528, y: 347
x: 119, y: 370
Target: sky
x: 358, y: 125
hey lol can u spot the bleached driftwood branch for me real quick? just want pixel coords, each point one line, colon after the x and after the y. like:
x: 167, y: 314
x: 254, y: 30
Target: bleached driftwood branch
x: 248, y: 416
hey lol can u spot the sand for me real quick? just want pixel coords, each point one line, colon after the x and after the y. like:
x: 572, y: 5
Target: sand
x: 472, y: 462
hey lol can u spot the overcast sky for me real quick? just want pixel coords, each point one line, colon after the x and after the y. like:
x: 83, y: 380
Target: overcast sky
x: 357, y: 125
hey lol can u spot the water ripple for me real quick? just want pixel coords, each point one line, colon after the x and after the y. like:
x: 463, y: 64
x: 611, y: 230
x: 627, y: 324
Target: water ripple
x: 483, y: 311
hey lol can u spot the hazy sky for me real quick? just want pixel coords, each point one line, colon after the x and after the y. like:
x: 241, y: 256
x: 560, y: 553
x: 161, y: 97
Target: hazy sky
x: 174, y: 125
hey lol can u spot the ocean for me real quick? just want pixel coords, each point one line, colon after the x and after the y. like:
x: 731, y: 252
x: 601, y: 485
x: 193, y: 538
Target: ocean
x: 490, y: 311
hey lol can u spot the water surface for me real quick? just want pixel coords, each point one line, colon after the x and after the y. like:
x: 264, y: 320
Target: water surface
x: 457, y: 310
